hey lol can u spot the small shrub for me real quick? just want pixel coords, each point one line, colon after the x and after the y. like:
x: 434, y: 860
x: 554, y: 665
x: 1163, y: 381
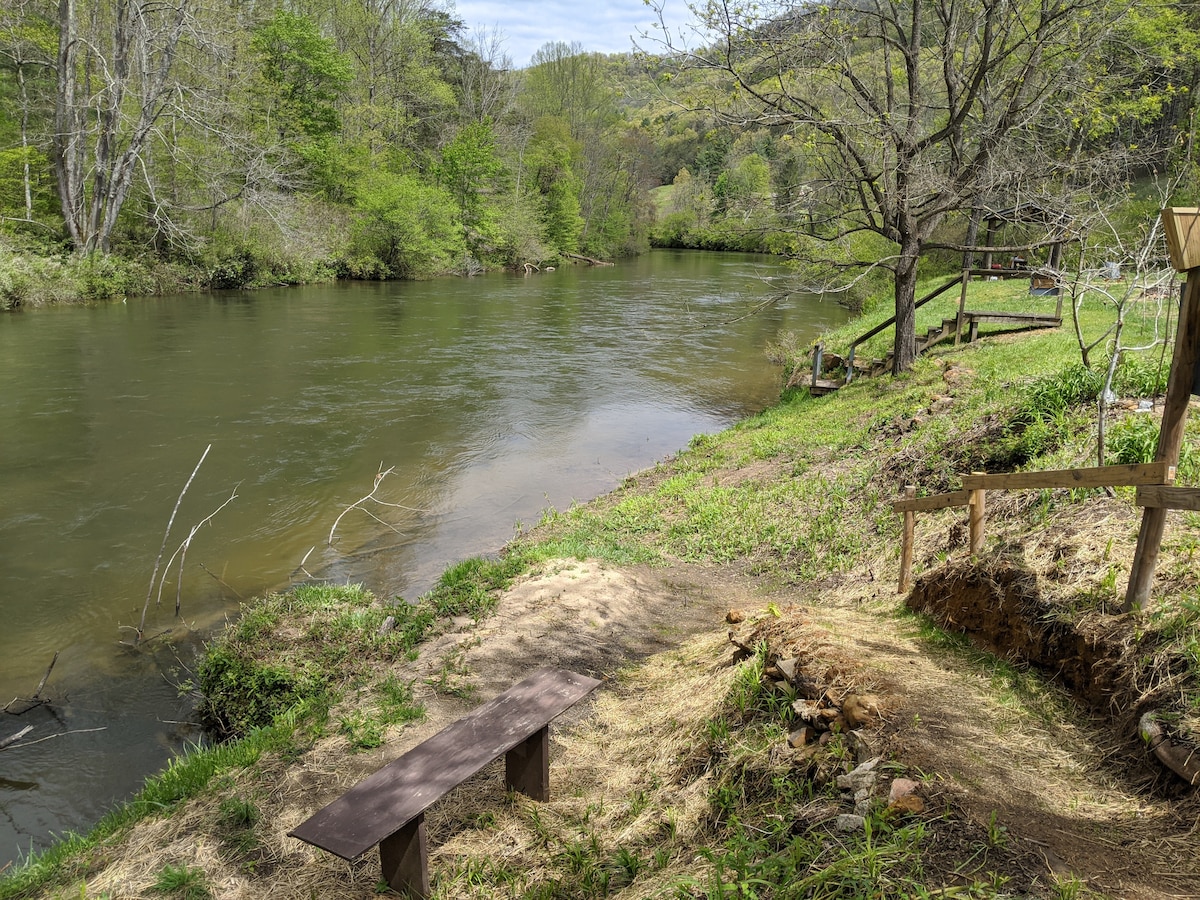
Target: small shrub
x: 240, y: 694
x: 184, y: 882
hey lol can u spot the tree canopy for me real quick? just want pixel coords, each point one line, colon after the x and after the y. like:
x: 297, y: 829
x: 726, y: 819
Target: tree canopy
x: 275, y: 141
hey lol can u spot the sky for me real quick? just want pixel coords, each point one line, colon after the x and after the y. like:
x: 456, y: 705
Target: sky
x: 604, y: 26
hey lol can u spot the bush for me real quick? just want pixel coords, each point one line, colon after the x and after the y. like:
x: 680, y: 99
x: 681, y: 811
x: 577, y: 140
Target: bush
x: 241, y: 694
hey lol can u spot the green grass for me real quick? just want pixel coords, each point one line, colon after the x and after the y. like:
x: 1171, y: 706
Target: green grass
x: 797, y: 494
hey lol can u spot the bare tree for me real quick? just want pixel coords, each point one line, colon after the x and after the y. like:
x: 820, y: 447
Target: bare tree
x: 912, y: 110
x: 26, y: 48
x: 486, y: 80
x: 1134, y: 277
x: 114, y: 85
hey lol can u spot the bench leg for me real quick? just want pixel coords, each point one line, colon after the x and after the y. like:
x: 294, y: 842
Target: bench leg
x: 405, y: 859
x: 527, y: 766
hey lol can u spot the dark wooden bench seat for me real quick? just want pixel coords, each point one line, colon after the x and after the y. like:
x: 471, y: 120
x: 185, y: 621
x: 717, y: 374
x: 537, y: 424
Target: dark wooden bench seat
x: 388, y: 808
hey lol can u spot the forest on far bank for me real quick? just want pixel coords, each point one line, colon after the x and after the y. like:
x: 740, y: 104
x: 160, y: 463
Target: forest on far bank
x: 149, y: 146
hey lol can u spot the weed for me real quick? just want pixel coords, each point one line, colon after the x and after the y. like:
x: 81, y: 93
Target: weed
x: 183, y: 882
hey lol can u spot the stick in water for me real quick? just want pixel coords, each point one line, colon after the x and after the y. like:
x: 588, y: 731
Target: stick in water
x: 161, y: 550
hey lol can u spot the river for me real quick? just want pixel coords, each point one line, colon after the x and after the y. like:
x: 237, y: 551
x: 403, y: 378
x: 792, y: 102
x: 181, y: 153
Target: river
x: 487, y: 400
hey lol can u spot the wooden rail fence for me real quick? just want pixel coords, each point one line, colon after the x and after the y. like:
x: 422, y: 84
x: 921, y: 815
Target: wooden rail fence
x: 1154, y: 482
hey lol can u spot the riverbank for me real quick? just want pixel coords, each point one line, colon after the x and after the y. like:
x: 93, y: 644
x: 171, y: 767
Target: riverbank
x: 679, y: 779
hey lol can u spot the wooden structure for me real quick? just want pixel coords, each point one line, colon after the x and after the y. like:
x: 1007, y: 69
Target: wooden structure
x: 965, y: 320
x: 388, y: 808
x: 1182, y: 228
x: 1153, y: 481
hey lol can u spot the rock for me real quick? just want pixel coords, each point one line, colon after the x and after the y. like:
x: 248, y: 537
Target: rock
x: 807, y: 711
x: 734, y: 616
x: 860, y: 778
x: 802, y: 737
x: 908, y: 805
x: 848, y: 822
x: 860, y: 710
x: 902, y: 787
x: 787, y: 668
x: 389, y: 624
x: 861, y: 746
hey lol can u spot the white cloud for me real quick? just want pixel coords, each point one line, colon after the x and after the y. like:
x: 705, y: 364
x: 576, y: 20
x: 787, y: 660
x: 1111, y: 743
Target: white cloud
x: 604, y: 26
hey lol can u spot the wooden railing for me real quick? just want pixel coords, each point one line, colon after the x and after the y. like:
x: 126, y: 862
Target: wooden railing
x: 1154, y: 482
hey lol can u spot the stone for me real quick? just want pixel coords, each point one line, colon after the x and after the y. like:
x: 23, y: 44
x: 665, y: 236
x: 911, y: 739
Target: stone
x: 860, y: 709
x: 389, y: 624
x: 908, y: 805
x: 807, y: 711
x: 802, y: 737
x: 861, y: 746
x: 787, y: 668
x: 849, y: 822
x: 861, y: 777
x: 902, y: 787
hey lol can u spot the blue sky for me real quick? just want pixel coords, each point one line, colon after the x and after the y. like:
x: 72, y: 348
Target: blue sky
x: 606, y: 26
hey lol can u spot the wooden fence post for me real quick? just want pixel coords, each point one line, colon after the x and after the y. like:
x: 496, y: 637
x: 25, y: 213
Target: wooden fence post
x: 1182, y: 228
x: 907, y: 539
x: 976, y: 505
x: 962, y: 305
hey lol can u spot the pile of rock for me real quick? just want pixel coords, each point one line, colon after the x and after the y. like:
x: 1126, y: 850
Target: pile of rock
x: 823, y: 712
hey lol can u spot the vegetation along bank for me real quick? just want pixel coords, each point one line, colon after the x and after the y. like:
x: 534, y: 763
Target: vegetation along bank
x: 740, y: 601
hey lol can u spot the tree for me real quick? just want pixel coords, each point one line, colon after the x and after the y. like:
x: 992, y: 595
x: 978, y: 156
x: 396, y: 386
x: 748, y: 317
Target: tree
x: 27, y: 49
x: 910, y: 111
x: 114, y: 85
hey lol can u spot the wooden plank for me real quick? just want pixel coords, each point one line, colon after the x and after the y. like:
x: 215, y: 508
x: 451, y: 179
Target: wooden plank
x: 1097, y: 476
x: 995, y: 317
x: 1182, y: 228
x: 928, y: 504
x: 381, y: 804
x: 1160, y: 496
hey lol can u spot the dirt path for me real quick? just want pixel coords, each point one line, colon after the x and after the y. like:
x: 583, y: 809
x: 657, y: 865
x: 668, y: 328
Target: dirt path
x: 1039, y: 785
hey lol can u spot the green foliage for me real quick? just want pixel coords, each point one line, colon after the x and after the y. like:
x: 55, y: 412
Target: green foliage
x: 182, y: 882
x: 306, y: 72
x: 404, y: 228
x: 469, y: 168
x: 241, y: 694
x: 1134, y: 439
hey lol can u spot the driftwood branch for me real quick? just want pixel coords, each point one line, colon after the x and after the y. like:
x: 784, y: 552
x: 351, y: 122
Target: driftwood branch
x: 182, y: 549
x: 25, y: 705
x: 161, y: 550
x: 13, y: 738
x: 358, y: 504
x: 51, y: 737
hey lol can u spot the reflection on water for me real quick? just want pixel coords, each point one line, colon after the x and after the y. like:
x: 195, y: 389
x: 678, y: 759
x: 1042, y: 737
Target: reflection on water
x: 489, y: 400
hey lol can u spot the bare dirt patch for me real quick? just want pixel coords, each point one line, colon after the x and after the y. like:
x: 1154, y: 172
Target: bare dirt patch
x: 1007, y: 789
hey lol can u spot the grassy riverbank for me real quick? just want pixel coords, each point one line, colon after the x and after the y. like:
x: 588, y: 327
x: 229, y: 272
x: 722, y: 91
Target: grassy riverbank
x: 680, y: 781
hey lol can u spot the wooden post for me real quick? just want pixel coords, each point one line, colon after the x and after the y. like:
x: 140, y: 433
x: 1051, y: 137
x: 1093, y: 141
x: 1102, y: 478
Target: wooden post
x: 976, y: 505
x: 405, y: 859
x: 907, y: 539
x: 1183, y: 239
x: 962, y: 305
x: 818, y: 361
x: 527, y: 766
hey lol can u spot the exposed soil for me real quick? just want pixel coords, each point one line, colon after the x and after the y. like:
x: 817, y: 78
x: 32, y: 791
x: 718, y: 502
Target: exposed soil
x: 1030, y: 797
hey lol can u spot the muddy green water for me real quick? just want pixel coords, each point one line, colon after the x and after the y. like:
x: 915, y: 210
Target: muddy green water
x: 492, y: 398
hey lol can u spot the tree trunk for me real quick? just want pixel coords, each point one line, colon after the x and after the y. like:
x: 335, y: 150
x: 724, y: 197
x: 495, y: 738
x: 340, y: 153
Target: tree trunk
x: 904, y: 350
x: 101, y: 133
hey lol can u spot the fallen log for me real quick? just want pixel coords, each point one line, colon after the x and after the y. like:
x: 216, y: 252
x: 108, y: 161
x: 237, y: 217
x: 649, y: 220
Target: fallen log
x: 588, y: 259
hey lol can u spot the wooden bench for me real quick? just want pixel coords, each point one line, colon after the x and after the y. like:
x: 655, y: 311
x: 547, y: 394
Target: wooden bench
x: 388, y: 808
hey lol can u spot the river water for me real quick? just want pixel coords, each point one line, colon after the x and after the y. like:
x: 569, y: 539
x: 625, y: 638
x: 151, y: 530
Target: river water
x: 488, y: 400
